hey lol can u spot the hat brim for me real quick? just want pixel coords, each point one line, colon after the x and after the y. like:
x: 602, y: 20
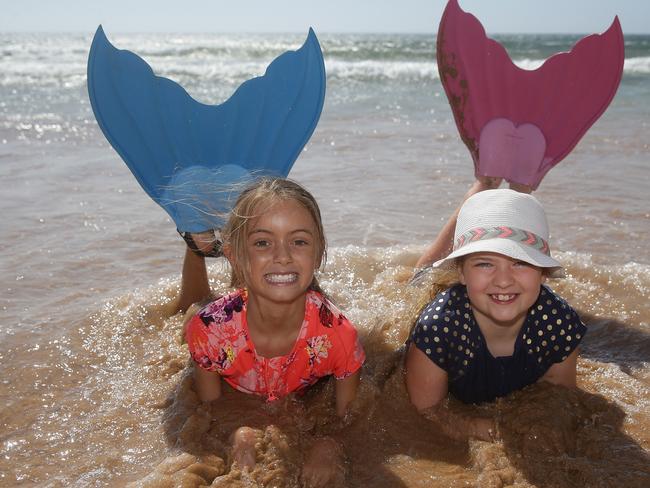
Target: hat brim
x: 511, y: 249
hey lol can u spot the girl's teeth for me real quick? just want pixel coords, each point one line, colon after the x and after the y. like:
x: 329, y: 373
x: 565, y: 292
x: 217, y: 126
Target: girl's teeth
x: 504, y: 298
x: 282, y: 278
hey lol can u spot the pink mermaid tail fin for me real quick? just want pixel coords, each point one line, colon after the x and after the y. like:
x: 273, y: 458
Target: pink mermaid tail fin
x: 517, y: 123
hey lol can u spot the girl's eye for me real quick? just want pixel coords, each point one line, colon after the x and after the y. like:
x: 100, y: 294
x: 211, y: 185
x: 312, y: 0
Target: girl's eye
x: 483, y: 264
x: 301, y: 242
x: 261, y: 243
x: 522, y: 263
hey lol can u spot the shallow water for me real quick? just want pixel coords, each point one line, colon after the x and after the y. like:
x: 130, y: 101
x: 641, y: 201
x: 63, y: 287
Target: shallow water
x: 95, y: 388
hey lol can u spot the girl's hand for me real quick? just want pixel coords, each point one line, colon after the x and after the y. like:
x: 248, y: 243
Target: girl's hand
x: 324, y: 465
x: 483, y: 429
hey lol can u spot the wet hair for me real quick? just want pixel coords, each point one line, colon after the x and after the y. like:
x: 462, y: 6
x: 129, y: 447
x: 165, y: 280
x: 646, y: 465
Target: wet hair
x: 252, y: 202
x: 436, y: 281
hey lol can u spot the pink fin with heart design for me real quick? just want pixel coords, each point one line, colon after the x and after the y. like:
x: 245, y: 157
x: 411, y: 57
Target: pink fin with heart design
x: 506, y: 115
x: 502, y: 143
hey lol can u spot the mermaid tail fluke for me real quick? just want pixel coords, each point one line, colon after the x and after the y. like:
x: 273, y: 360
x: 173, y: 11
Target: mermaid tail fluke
x: 517, y: 123
x: 191, y: 158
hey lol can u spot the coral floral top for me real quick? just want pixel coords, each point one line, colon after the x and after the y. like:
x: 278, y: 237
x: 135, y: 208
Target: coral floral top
x: 327, y: 344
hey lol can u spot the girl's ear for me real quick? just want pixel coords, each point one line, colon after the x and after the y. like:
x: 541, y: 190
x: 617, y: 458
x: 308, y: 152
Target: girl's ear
x: 461, y: 277
x: 459, y: 269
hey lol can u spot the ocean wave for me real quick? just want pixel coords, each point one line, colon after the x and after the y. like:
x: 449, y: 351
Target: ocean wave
x: 639, y: 65
x: 394, y: 69
x: 372, y: 69
x: 197, y: 71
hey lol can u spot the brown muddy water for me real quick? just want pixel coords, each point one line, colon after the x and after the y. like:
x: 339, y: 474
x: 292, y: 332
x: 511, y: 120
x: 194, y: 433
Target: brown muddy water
x: 110, y: 402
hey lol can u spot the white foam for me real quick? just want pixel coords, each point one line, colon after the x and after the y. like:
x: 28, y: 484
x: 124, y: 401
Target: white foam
x: 639, y: 65
x: 337, y: 68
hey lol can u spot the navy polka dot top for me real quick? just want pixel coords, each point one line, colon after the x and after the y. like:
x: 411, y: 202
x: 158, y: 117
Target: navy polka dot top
x: 448, y: 334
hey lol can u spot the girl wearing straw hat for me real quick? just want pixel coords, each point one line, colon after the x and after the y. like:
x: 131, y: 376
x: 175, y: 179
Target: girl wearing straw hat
x: 500, y: 328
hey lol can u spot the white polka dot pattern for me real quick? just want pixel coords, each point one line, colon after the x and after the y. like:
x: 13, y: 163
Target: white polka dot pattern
x: 449, y: 335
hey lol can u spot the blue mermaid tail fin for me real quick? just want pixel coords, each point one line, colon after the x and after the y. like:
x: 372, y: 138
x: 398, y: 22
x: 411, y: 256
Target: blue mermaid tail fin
x: 192, y: 158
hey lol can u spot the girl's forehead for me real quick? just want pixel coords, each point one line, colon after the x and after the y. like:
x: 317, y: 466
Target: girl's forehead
x: 488, y: 255
x: 285, y: 211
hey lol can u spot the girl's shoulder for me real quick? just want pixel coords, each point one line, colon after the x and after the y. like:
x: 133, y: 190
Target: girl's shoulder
x: 224, y: 312
x: 549, y: 303
x: 446, y: 331
x: 332, y: 340
x: 321, y: 312
x: 448, y: 307
x: 216, y: 335
x: 553, y: 329
x: 447, y: 321
x: 223, y: 308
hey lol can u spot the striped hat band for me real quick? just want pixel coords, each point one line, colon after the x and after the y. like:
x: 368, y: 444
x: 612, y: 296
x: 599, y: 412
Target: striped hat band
x: 503, y: 232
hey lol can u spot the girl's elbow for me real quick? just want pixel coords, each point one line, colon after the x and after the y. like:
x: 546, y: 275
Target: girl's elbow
x: 207, y: 396
x: 568, y: 380
x: 422, y: 400
x: 207, y: 385
x: 561, y: 378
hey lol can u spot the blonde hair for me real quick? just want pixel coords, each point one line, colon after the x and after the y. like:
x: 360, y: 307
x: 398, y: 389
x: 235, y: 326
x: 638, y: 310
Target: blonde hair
x: 437, y: 281
x: 253, y: 202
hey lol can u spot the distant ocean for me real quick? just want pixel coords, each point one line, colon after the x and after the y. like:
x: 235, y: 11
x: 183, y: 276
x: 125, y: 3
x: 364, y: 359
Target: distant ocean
x: 93, y: 384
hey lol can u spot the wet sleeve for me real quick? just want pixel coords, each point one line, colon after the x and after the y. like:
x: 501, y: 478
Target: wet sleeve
x: 197, y: 336
x: 430, y: 335
x: 347, y: 352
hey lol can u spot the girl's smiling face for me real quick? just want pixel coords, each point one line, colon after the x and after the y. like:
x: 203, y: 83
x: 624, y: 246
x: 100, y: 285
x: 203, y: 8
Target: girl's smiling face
x: 501, y: 290
x: 282, y: 252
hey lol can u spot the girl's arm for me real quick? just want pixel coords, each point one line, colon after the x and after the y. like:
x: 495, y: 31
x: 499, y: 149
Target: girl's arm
x: 427, y: 386
x: 325, y: 460
x: 346, y: 391
x: 426, y: 383
x: 563, y: 373
x: 207, y: 384
x: 461, y: 427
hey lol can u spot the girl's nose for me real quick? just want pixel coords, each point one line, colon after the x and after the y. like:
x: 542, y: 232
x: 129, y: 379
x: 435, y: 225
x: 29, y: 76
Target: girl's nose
x: 503, y: 276
x: 282, y: 253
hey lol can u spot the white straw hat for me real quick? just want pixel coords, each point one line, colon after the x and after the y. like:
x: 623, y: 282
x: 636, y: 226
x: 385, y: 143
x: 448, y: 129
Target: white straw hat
x: 504, y: 222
